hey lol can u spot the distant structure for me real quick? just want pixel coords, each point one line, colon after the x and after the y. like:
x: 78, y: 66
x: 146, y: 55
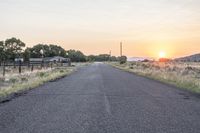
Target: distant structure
x: 19, y: 59
x: 121, y: 49
x: 54, y: 59
x: 142, y: 59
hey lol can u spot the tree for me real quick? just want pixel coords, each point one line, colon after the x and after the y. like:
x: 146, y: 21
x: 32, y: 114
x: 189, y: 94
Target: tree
x: 2, y: 51
x: 101, y: 57
x: 14, y: 48
x: 122, y: 59
x: 49, y: 51
x: 76, y: 56
x: 113, y: 58
x: 27, y: 54
x: 35, y: 52
x: 56, y: 51
x: 91, y: 58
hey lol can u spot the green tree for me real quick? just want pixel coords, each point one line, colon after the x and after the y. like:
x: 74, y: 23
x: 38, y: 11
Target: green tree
x: 91, y: 58
x: 56, y: 51
x: 2, y: 51
x: 48, y: 51
x: 35, y: 51
x: 113, y: 58
x: 76, y: 56
x: 27, y: 54
x: 122, y: 59
x: 14, y: 48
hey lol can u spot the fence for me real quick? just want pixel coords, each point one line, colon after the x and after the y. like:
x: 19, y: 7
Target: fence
x: 29, y: 66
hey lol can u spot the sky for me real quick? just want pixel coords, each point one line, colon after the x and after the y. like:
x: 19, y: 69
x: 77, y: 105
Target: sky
x: 146, y: 27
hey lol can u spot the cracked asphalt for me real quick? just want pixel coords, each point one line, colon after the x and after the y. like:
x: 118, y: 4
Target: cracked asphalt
x: 101, y: 99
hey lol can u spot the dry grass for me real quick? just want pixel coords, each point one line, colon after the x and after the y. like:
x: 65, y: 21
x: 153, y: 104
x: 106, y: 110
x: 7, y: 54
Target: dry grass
x: 13, y: 83
x: 182, y: 75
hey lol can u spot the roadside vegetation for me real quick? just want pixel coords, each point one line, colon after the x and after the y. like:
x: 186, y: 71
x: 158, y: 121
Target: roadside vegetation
x: 23, y: 68
x: 14, y: 82
x: 183, y: 75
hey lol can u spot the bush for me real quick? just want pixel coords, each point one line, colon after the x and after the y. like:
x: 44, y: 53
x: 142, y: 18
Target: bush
x: 13, y: 80
x: 122, y: 59
x: 62, y: 71
x: 42, y: 74
x: 23, y: 79
x: 131, y: 67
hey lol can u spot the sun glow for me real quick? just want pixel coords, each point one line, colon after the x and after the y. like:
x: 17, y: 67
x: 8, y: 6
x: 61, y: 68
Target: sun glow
x: 162, y: 54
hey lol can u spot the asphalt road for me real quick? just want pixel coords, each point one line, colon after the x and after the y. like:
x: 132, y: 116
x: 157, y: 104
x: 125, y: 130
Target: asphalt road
x: 102, y: 99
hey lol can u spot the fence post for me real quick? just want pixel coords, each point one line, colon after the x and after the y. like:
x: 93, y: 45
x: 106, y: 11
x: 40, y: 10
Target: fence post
x: 69, y: 63
x: 14, y: 64
x: 32, y: 68
x: 42, y: 64
x: 51, y: 65
x: 28, y: 64
x: 20, y: 66
x: 4, y: 68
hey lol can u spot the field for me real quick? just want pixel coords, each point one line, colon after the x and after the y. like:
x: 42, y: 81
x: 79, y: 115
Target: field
x: 184, y: 75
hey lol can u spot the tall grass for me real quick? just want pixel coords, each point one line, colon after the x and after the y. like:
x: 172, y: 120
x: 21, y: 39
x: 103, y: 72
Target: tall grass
x: 29, y: 81
x: 182, y: 75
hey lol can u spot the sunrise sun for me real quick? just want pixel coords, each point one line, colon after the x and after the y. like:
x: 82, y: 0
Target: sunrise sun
x: 162, y: 54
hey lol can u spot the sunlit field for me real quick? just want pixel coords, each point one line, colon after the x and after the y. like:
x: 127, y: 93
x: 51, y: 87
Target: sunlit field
x: 181, y: 74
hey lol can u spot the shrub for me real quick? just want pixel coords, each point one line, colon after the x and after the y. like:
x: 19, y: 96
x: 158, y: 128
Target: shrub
x: 13, y: 80
x: 23, y: 79
x: 62, y: 71
x: 131, y: 67
x: 42, y: 74
x: 123, y: 59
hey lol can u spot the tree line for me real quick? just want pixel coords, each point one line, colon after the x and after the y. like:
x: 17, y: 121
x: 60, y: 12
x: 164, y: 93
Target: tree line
x: 13, y: 48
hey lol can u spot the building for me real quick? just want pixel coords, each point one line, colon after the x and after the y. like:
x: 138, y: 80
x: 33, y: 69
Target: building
x: 57, y: 59
x: 19, y: 59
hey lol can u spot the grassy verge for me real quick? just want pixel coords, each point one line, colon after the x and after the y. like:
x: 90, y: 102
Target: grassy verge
x: 29, y: 81
x: 187, y: 78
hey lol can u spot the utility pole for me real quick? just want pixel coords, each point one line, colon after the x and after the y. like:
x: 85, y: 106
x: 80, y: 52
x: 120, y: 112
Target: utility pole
x: 121, y: 49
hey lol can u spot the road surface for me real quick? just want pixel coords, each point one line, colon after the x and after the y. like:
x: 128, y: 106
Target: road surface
x: 102, y: 99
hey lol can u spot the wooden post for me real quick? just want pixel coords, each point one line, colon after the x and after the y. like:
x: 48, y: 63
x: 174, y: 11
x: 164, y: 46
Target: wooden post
x: 51, y: 65
x: 42, y: 63
x: 69, y: 62
x: 20, y: 66
x: 28, y: 64
x: 32, y: 68
x: 4, y: 68
x: 14, y: 64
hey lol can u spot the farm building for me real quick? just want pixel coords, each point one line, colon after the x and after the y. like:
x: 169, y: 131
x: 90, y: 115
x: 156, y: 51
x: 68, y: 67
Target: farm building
x: 56, y: 59
x: 51, y: 59
x: 19, y: 59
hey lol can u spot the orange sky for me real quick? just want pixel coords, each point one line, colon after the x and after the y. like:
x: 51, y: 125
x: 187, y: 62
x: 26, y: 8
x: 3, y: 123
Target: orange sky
x: 145, y: 27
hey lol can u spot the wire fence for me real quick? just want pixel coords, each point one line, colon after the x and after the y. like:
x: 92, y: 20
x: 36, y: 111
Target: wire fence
x: 20, y: 67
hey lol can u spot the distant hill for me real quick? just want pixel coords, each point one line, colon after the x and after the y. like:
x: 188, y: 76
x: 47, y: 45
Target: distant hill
x: 191, y: 58
x: 139, y: 59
